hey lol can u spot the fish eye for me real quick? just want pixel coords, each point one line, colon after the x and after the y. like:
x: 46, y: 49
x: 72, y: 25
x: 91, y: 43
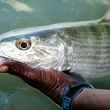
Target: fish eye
x: 23, y: 44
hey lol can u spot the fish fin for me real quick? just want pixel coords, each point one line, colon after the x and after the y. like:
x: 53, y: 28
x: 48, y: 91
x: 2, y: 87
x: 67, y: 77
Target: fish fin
x: 76, y: 76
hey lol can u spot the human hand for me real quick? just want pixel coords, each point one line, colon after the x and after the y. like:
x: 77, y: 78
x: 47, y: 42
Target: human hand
x: 49, y: 81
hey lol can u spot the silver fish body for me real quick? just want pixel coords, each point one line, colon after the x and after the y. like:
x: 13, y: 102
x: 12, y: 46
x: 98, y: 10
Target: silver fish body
x: 83, y: 47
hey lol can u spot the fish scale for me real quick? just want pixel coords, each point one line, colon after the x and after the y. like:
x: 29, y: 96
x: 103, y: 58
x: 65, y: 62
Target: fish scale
x: 91, y: 51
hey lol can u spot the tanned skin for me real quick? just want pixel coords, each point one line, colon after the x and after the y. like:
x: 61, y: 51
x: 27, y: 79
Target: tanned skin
x: 52, y: 83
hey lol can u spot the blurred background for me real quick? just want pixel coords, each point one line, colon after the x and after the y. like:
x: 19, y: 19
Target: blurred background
x: 28, y: 13
x: 14, y: 93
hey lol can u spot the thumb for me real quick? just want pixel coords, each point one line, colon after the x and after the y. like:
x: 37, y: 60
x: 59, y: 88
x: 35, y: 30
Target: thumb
x: 3, y: 64
x: 3, y: 69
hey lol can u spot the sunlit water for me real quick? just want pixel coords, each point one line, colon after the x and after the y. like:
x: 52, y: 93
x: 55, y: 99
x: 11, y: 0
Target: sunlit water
x: 14, y: 93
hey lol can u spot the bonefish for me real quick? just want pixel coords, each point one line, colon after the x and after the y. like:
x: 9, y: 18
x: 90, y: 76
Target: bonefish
x: 82, y: 47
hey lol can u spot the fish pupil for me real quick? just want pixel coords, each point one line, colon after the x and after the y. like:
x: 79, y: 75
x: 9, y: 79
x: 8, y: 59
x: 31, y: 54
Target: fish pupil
x: 24, y: 45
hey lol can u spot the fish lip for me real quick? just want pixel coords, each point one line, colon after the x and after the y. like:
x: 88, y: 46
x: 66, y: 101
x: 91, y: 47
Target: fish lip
x: 3, y: 59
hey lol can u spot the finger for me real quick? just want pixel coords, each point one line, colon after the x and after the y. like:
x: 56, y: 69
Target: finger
x: 3, y: 68
x: 3, y: 64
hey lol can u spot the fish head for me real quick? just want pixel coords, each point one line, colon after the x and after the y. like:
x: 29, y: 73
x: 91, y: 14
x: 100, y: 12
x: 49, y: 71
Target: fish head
x: 44, y: 49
